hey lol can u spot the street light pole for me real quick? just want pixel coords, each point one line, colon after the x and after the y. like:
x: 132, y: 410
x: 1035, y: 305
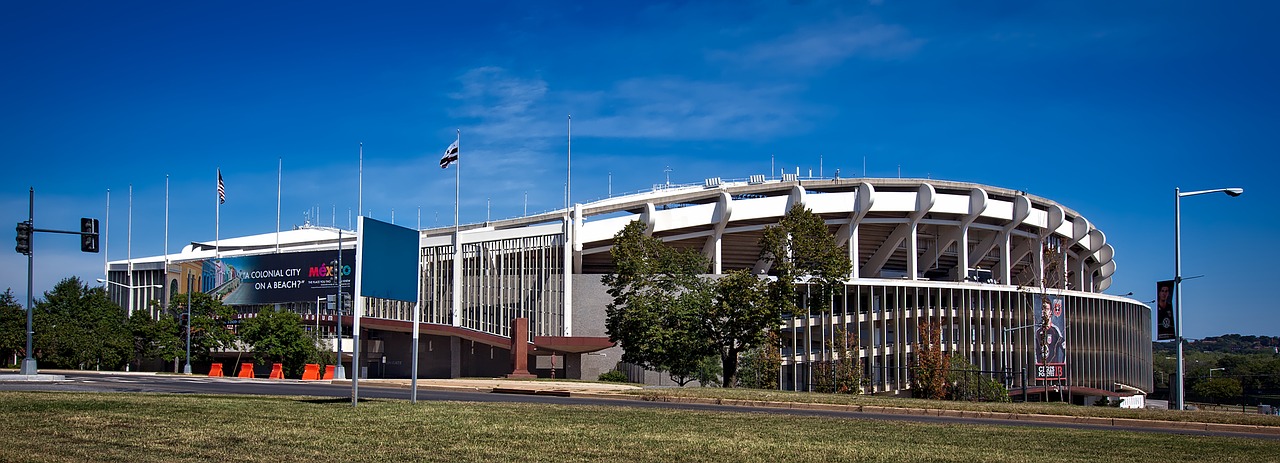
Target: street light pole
x: 1008, y: 359
x: 1177, y: 276
x: 131, y: 289
x: 339, y: 373
x: 187, y: 368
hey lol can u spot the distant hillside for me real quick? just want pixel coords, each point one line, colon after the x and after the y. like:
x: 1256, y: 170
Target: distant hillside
x: 1227, y: 343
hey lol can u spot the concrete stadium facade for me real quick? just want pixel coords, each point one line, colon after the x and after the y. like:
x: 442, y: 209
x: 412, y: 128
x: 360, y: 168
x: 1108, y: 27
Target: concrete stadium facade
x: 972, y: 258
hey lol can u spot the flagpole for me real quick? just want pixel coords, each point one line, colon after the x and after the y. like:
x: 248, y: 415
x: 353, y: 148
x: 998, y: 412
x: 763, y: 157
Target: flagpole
x: 570, y: 233
x: 129, y: 258
x: 129, y: 251
x: 166, y: 246
x: 106, y: 244
x: 279, y: 182
x: 360, y: 193
x: 217, y: 219
x: 568, y: 171
x: 457, y: 242
x: 457, y: 179
x: 417, y: 315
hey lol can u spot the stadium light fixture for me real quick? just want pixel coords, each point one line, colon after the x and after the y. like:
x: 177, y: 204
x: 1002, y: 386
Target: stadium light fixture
x: 1177, y: 276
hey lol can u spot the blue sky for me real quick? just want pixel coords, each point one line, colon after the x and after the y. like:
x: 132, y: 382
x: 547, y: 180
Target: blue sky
x: 1103, y: 107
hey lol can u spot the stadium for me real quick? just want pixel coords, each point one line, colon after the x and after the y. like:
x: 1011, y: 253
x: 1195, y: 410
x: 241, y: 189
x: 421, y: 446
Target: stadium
x: 992, y: 267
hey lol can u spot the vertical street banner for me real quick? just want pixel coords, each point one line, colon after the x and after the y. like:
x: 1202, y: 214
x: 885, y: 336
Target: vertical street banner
x: 1164, y: 311
x: 1051, y: 340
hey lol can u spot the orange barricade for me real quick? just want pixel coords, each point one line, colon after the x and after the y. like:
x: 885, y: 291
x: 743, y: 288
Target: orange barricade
x: 277, y: 371
x: 328, y: 372
x: 215, y: 370
x: 311, y: 372
x: 246, y: 370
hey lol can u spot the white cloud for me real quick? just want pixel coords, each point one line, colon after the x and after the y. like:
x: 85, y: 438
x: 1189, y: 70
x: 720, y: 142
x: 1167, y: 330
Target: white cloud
x: 826, y: 45
x: 516, y: 110
x: 682, y: 109
x: 501, y: 102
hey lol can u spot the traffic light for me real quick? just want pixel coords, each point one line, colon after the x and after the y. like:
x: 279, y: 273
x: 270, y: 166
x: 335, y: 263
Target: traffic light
x: 88, y: 235
x: 24, y: 238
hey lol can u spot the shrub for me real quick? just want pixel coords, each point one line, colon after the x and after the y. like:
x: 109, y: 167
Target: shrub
x: 613, y: 376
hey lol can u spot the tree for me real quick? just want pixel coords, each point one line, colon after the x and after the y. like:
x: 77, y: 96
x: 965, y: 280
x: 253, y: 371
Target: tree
x: 79, y: 327
x: 844, y: 374
x: 209, y: 320
x: 709, y: 371
x: 802, y: 247
x: 13, y: 328
x: 668, y: 315
x: 706, y: 372
x: 658, y: 291
x: 1217, y: 390
x: 929, y: 373
x: 737, y: 319
x: 657, y: 295
x: 155, y: 338
x: 277, y: 336
x: 759, y: 365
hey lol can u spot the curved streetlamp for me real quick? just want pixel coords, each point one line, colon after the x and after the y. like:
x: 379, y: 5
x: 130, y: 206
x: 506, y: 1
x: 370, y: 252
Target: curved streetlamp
x: 1177, y: 274
x: 131, y: 288
x: 122, y: 285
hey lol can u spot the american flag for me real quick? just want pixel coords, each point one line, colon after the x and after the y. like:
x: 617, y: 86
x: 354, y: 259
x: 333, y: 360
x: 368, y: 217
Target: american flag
x: 222, y: 189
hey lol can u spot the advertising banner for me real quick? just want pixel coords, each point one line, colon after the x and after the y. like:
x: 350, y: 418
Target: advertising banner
x: 1051, y: 340
x: 1164, y: 311
x: 276, y: 278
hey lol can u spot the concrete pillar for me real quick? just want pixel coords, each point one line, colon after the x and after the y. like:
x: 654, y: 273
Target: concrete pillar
x: 520, y: 349
x: 455, y: 357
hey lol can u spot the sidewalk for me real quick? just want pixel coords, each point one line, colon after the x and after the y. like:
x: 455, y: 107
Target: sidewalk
x: 515, y: 386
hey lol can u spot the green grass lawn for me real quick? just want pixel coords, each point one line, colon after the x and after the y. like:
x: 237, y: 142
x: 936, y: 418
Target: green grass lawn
x: 1043, y: 408
x: 74, y: 427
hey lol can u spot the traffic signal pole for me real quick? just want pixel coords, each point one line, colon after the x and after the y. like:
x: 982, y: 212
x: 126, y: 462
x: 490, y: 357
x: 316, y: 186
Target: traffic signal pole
x: 29, y: 363
x: 25, y: 245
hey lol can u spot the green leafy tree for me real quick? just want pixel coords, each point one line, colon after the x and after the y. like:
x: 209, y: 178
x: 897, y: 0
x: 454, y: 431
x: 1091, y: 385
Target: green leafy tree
x: 709, y: 371
x: 706, y: 372
x: 277, y: 336
x: 737, y: 319
x: 685, y: 348
x: 658, y: 294
x: 79, y: 327
x: 13, y: 328
x: 209, y: 321
x: 155, y: 338
x: 802, y: 247
x: 659, y: 291
x: 1217, y: 390
x: 759, y: 365
x: 668, y: 315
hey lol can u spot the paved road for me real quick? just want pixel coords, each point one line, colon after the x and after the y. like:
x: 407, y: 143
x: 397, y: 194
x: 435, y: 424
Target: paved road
x: 123, y: 382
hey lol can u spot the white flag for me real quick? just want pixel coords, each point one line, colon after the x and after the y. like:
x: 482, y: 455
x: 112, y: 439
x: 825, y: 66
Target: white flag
x: 450, y: 154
